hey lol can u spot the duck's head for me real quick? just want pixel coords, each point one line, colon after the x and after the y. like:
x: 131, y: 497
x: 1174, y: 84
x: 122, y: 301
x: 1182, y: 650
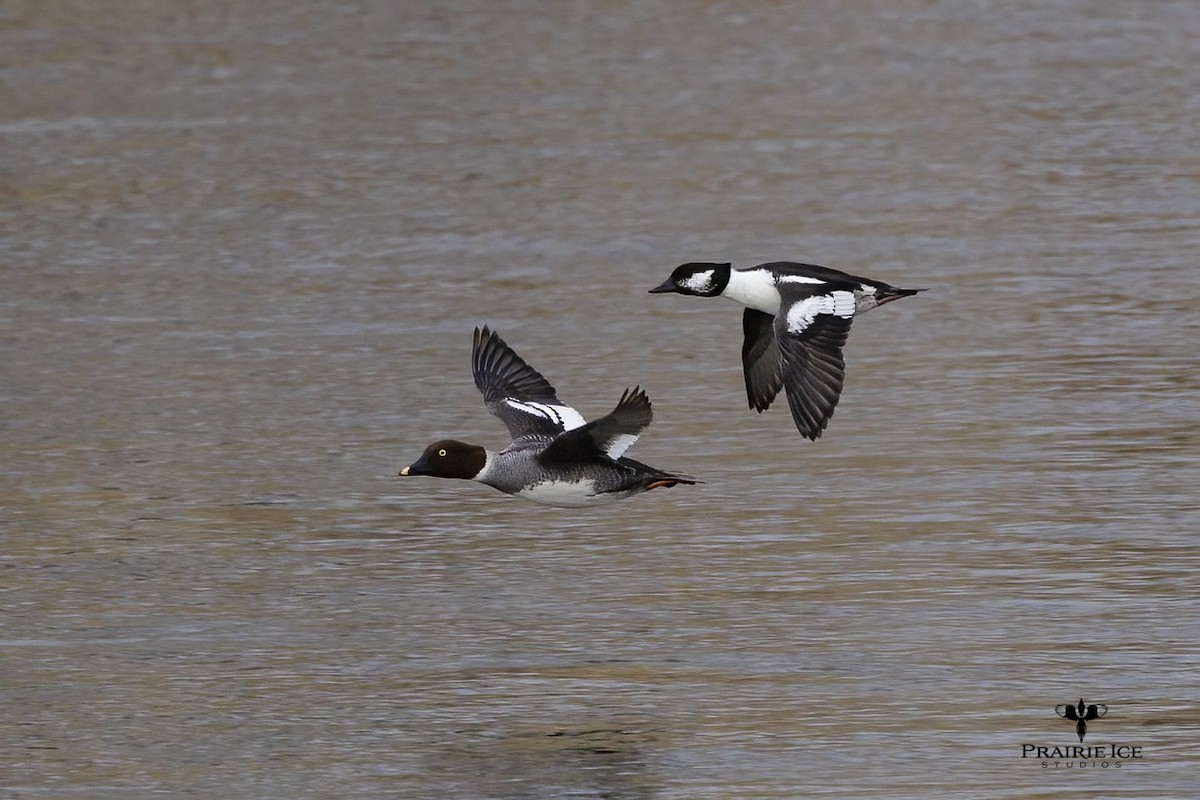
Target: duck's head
x: 449, y: 459
x: 700, y: 278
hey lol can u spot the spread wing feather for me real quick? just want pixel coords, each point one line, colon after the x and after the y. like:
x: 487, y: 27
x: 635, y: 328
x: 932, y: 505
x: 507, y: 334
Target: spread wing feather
x: 810, y: 333
x: 515, y: 392
x: 761, y: 360
x: 610, y: 436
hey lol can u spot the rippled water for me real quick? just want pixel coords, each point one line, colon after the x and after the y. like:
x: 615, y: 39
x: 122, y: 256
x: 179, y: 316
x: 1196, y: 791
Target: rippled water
x: 243, y: 251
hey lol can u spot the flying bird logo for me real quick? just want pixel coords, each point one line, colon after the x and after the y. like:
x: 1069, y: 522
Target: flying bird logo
x: 1081, y: 715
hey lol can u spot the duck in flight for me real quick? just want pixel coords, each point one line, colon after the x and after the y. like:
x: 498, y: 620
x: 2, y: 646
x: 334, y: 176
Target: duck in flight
x: 795, y: 324
x: 555, y: 457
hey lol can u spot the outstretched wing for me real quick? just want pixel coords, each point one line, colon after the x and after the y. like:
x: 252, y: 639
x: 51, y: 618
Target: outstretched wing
x: 760, y: 358
x: 810, y: 331
x: 1066, y: 711
x: 1096, y: 711
x: 609, y: 436
x: 515, y: 392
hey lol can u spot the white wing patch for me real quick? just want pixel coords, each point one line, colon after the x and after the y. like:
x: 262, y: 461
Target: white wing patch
x: 620, y: 444
x: 802, y: 314
x: 564, y: 416
x: 798, y: 279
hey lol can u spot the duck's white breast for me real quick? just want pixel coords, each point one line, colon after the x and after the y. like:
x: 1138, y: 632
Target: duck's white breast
x: 571, y: 494
x: 754, y: 288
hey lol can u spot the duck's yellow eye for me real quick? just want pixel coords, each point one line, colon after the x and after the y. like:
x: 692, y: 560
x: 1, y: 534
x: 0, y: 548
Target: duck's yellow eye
x: 442, y: 453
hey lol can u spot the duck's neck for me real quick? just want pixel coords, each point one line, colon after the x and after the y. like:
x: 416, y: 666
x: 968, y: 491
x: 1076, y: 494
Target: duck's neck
x: 489, y: 459
x: 754, y: 288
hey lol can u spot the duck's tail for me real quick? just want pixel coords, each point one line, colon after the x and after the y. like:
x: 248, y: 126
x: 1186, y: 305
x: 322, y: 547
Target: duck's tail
x: 654, y: 478
x: 887, y: 294
x: 669, y: 481
x: 658, y: 479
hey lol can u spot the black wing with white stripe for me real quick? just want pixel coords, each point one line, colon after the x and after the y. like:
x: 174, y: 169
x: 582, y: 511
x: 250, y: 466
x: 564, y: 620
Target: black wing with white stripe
x: 609, y: 436
x: 810, y: 331
x: 515, y: 392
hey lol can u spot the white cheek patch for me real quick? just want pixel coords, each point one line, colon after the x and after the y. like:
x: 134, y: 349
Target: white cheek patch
x: 799, y: 279
x: 802, y: 314
x: 564, y: 416
x: 700, y: 282
x: 620, y: 444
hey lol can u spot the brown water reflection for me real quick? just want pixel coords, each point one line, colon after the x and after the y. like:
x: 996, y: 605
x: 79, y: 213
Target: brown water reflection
x: 244, y: 250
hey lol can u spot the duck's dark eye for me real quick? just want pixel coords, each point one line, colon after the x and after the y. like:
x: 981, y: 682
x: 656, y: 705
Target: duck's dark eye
x: 442, y: 453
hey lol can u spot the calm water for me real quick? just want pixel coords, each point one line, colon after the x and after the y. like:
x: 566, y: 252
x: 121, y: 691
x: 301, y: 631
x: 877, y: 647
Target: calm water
x: 243, y: 251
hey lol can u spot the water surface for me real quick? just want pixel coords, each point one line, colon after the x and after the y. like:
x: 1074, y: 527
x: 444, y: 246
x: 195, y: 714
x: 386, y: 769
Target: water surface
x: 243, y: 252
